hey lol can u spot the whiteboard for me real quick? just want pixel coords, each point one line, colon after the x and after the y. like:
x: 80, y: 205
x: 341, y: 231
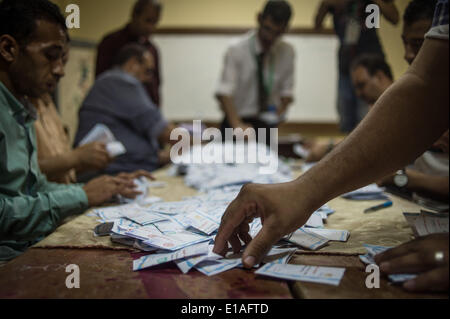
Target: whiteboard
x: 191, y: 67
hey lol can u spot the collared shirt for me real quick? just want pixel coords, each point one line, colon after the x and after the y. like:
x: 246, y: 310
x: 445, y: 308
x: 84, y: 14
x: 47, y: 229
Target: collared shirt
x: 240, y: 75
x: 52, y: 140
x: 30, y: 206
x: 119, y: 101
x: 111, y: 45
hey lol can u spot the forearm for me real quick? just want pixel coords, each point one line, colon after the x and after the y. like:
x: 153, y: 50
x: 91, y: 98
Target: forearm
x: 27, y: 218
x: 58, y: 164
x: 320, y: 16
x: 228, y: 107
x: 388, y: 10
x: 418, y: 102
x: 433, y: 185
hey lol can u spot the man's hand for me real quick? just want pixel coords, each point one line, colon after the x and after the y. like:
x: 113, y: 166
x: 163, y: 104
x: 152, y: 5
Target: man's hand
x: 422, y: 256
x: 93, y: 156
x: 139, y: 173
x: 277, y: 207
x: 104, y: 188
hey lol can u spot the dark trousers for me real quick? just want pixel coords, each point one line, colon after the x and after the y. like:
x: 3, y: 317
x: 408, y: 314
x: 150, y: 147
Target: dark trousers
x: 255, y: 122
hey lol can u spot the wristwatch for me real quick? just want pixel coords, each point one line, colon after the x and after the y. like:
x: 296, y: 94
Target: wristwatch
x: 401, y: 179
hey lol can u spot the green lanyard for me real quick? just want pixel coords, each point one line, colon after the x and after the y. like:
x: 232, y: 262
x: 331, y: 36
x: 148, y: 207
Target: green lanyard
x: 268, y: 83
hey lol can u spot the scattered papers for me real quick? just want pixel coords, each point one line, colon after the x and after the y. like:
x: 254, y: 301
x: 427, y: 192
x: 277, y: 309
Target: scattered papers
x: 369, y: 192
x: 307, y: 240
x: 368, y: 259
x: 301, y: 151
x: 427, y: 223
x: 101, y: 133
x: 323, y: 275
x: 157, y: 259
x: 330, y: 234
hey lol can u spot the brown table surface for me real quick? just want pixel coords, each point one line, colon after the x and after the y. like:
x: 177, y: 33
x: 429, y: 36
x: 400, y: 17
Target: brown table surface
x: 107, y: 273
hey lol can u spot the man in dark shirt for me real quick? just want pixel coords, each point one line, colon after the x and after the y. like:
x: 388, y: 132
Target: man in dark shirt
x: 119, y: 100
x: 349, y: 17
x: 145, y: 17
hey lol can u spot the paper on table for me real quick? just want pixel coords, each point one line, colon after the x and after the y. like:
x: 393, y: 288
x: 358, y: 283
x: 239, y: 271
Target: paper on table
x: 307, y: 240
x: 157, y: 259
x: 330, y: 234
x: 429, y: 223
x: 324, y: 275
x: 101, y: 133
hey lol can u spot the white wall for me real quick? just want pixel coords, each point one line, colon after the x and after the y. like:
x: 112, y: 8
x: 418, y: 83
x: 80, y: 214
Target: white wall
x: 191, y: 66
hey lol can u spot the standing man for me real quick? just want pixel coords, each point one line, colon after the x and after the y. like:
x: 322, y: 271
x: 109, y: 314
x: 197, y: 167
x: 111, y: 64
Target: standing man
x: 355, y: 38
x: 144, y: 19
x: 257, y: 81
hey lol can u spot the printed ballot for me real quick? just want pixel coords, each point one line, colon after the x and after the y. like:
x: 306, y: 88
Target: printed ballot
x: 101, y: 133
x: 323, y: 275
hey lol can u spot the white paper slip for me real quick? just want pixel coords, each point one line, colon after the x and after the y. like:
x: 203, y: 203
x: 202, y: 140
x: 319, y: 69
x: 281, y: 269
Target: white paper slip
x: 144, y: 218
x: 99, y: 133
x: 185, y: 265
x: 157, y: 259
x: 307, y: 240
x: 122, y: 226
x: 315, y: 220
x: 411, y: 219
x: 429, y: 223
x: 211, y: 268
x: 174, y: 208
x: 330, y: 234
x: 115, y: 149
x: 202, y: 222
x: 323, y: 275
x: 301, y: 151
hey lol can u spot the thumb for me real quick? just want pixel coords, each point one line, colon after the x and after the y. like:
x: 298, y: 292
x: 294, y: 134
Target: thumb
x: 258, y: 248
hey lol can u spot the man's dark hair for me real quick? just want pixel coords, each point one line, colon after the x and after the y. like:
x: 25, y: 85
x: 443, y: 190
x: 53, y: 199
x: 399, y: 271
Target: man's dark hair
x: 419, y: 10
x: 133, y: 50
x: 18, y: 18
x: 373, y: 63
x: 140, y: 5
x: 279, y: 10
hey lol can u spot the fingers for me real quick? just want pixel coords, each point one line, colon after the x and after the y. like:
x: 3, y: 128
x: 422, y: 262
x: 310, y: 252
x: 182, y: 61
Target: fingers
x: 396, y: 252
x: 435, y: 280
x: 258, y: 248
x: 231, y: 220
x: 409, y: 264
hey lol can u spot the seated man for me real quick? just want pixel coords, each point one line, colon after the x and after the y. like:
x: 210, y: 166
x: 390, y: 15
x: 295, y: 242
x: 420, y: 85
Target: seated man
x: 57, y: 160
x: 33, y: 35
x: 118, y: 100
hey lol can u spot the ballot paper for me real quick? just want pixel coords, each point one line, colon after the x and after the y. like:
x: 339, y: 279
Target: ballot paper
x: 315, y: 220
x: 122, y: 226
x: 101, y: 133
x: 202, y: 222
x: 186, y: 264
x: 368, y: 259
x: 158, y: 259
x: 142, y: 187
x: 427, y: 223
x: 307, y: 240
x: 369, y: 192
x: 301, y: 151
x: 212, y: 268
x: 330, y: 234
x: 323, y: 275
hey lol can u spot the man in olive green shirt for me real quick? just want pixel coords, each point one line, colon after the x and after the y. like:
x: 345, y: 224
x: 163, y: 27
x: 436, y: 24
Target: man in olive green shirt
x: 33, y: 37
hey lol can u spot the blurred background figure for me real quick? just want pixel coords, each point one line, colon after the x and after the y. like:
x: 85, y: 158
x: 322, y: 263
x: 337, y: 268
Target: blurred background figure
x: 349, y: 17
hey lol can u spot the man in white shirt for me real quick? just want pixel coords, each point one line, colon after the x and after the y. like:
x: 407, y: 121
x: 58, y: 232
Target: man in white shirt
x: 257, y: 81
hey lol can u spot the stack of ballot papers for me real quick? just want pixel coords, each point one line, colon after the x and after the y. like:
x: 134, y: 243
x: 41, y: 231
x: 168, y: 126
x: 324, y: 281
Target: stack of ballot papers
x: 368, y: 259
x: 427, y: 223
x: 183, y: 232
x: 205, y: 177
x: 101, y: 133
x: 369, y: 192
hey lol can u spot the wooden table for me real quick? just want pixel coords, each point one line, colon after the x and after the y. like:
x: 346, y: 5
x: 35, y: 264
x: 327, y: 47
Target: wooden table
x: 107, y: 273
